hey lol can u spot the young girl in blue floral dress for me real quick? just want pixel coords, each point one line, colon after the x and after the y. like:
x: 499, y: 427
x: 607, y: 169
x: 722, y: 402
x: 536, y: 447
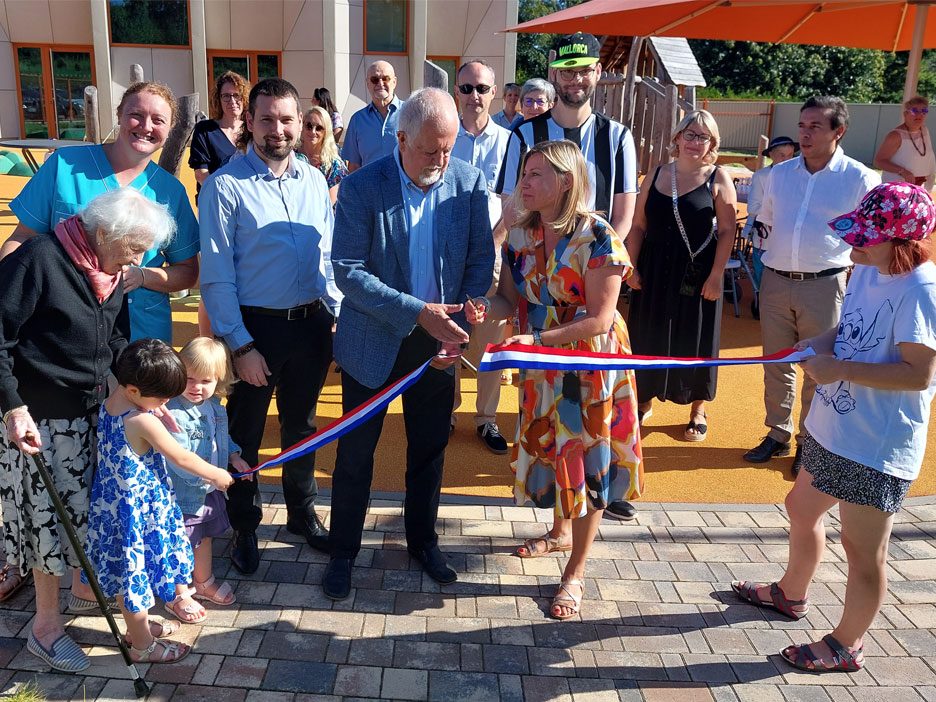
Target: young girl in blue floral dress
x: 136, y: 538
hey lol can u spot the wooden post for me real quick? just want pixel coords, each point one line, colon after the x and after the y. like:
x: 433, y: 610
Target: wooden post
x: 690, y: 95
x: 171, y: 157
x: 762, y: 143
x: 627, y: 116
x: 434, y: 76
x: 136, y: 73
x: 92, y: 133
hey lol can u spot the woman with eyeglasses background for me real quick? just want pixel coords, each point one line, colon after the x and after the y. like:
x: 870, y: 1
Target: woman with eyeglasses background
x: 321, y: 97
x: 681, y: 238
x: 318, y: 146
x: 906, y: 154
x: 213, y: 140
x: 536, y: 97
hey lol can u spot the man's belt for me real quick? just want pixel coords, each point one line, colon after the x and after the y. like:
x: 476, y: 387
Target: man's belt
x: 292, y: 314
x: 795, y: 275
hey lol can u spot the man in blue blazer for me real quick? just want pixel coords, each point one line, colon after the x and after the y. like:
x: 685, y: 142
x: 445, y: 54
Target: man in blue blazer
x: 412, y: 241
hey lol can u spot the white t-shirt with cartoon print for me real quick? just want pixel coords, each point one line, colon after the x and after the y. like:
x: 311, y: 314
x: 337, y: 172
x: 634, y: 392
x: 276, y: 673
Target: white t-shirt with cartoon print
x: 881, y: 429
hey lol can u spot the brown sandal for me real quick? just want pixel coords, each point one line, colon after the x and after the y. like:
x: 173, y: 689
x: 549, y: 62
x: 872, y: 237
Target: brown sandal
x: 553, y: 545
x: 10, y: 574
x: 747, y: 590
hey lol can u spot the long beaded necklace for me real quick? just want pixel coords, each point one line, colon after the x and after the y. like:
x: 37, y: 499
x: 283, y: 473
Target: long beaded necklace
x: 922, y: 141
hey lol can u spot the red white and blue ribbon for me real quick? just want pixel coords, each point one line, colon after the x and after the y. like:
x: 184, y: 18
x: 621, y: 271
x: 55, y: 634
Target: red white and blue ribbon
x: 515, y: 356
x: 344, y: 423
x: 548, y: 358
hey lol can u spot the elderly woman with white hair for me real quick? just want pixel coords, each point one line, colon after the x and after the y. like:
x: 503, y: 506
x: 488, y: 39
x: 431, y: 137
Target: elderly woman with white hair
x: 680, y: 239
x: 63, y: 323
x: 536, y: 97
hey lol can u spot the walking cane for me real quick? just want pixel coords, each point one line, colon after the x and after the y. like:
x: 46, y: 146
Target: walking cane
x: 139, y: 684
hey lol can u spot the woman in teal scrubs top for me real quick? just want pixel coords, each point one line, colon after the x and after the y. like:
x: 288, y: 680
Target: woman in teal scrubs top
x: 73, y: 176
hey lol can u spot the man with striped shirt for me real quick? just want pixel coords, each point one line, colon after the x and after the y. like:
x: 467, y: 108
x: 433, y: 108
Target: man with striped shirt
x: 606, y: 144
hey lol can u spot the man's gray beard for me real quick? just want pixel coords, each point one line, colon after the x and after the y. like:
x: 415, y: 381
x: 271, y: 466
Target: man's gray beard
x: 426, y: 179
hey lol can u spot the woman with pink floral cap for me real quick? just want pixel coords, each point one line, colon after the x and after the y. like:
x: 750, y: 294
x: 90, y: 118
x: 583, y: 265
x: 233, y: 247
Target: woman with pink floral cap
x: 867, y: 426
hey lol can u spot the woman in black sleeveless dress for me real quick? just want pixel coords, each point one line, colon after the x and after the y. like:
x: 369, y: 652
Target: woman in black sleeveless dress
x: 676, y: 299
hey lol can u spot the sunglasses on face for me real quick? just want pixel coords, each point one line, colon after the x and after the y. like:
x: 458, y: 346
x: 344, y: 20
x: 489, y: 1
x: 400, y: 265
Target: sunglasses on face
x: 314, y: 127
x: 918, y: 110
x: 690, y: 137
x: 468, y: 88
x: 380, y: 79
x: 534, y: 102
x: 572, y: 74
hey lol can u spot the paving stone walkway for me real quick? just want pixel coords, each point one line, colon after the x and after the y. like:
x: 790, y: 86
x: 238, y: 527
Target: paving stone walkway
x: 659, y: 621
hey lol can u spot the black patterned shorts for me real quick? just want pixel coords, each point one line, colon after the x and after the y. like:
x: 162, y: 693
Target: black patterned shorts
x: 32, y: 537
x: 850, y: 481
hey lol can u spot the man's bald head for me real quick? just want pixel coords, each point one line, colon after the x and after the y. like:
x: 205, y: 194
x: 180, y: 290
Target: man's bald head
x: 381, y: 82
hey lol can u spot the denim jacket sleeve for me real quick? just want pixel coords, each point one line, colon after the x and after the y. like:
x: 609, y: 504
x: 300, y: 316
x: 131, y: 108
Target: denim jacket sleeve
x: 190, y: 490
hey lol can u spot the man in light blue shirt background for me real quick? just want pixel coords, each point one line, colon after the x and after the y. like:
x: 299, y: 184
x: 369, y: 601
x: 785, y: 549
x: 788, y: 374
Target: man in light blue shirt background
x: 371, y: 131
x: 483, y: 144
x: 266, y: 230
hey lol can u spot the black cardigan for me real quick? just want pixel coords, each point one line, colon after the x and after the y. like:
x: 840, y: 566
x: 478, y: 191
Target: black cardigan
x: 57, y: 342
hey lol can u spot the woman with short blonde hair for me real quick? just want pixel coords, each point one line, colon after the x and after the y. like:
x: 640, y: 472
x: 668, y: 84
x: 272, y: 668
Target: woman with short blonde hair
x: 906, y: 154
x: 681, y: 239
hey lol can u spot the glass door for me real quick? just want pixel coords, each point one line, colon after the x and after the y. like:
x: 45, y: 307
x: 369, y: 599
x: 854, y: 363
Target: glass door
x: 32, y: 92
x: 71, y: 72
x: 51, y: 84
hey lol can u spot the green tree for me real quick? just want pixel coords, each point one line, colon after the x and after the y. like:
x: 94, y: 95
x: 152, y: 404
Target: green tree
x: 533, y: 49
x: 796, y: 71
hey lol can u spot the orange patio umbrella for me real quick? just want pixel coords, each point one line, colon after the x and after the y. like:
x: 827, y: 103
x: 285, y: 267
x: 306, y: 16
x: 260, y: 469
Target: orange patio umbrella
x: 891, y: 25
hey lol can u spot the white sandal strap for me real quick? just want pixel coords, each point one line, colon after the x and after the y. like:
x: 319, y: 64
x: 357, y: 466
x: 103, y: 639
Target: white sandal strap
x: 577, y: 599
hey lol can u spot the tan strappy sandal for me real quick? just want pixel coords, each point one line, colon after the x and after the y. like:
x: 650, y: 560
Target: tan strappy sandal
x: 191, y: 613
x: 172, y: 652
x: 566, y: 598
x: 553, y: 545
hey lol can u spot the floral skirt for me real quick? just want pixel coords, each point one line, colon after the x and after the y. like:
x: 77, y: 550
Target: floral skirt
x: 32, y: 535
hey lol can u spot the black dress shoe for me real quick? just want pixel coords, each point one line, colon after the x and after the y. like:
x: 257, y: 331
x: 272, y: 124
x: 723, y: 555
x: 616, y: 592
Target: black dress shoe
x: 767, y: 449
x: 433, y: 562
x: 244, y: 553
x: 336, y: 583
x: 619, y: 509
x: 311, y: 529
x: 797, y: 461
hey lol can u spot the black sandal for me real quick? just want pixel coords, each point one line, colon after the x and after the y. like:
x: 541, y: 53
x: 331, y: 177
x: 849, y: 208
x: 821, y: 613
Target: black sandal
x: 698, y: 427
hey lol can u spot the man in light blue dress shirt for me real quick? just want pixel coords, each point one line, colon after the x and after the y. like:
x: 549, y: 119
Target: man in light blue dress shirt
x: 266, y: 230
x: 483, y: 144
x: 413, y: 241
x: 371, y: 131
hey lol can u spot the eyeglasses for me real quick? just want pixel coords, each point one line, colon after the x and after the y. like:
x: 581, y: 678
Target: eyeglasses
x: 468, y: 88
x: 314, y: 127
x: 572, y: 74
x: 231, y: 97
x: 918, y: 110
x: 690, y: 137
x: 380, y: 79
x: 534, y: 102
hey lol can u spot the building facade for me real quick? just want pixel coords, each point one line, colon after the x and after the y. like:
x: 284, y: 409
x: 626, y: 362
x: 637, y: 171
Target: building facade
x: 51, y: 49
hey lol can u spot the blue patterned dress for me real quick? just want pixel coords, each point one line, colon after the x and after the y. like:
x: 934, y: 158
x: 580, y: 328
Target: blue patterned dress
x: 136, y: 536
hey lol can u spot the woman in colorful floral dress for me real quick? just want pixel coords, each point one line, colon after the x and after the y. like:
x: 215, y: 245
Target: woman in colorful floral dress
x: 578, y: 445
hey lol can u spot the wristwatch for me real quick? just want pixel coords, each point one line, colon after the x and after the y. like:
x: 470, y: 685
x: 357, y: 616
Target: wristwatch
x: 537, y: 338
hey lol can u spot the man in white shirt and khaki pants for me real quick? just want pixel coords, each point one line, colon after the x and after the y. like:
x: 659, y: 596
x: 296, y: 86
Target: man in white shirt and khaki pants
x: 805, y: 266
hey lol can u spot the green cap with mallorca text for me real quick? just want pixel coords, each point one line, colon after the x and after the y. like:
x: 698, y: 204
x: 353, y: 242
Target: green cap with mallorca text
x: 574, y: 50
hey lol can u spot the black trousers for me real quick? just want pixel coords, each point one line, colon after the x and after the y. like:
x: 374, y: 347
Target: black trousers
x: 427, y: 408
x: 298, y: 354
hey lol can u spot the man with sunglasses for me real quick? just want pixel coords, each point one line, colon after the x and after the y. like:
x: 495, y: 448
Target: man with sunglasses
x: 371, y: 132
x: 483, y: 143
x: 606, y: 144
